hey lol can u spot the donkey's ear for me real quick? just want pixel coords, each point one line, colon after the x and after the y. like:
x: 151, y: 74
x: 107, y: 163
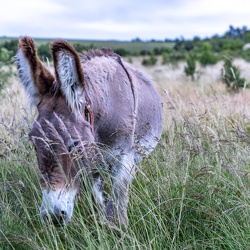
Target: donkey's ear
x: 69, y: 73
x: 33, y: 75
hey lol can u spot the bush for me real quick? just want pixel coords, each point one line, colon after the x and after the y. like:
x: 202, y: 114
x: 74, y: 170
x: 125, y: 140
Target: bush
x: 150, y: 61
x: 44, y: 51
x: 231, y: 76
x: 165, y: 58
x: 80, y: 47
x: 121, y: 52
x: 234, y: 45
x: 5, y: 55
x: 5, y: 73
x: 246, y: 55
x: 160, y: 50
x: 207, y: 57
x: 5, y: 66
x: 11, y: 46
x: 190, y: 68
x: 144, y: 52
x: 176, y: 56
x: 130, y: 59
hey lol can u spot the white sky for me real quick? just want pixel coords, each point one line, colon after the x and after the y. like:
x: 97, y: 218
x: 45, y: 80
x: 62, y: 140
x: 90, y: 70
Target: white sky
x: 121, y: 19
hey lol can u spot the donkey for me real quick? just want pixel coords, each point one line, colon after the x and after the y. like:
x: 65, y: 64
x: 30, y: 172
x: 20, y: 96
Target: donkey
x: 95, y: 102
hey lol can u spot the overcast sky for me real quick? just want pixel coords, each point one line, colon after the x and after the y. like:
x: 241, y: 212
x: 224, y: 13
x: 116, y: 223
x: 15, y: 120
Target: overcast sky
x: 121, y: 19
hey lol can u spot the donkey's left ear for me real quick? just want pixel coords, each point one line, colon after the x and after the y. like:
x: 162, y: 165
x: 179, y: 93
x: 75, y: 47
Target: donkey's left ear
x: 69, y: 73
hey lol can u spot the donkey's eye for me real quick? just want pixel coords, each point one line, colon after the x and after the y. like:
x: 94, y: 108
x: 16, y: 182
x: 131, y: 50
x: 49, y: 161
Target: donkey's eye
x: 73, y: 145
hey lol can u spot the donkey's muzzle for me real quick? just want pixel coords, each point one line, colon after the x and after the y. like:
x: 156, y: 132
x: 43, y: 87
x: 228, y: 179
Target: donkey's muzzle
x: 57, y: 206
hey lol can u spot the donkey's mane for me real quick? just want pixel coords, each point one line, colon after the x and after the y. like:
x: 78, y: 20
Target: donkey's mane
x: 104, y: 52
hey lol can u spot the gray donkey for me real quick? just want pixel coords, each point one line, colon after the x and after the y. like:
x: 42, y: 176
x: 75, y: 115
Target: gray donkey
x: 94, y: 101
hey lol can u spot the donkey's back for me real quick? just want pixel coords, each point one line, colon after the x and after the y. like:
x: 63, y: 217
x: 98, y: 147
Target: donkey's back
x: 126, y: 106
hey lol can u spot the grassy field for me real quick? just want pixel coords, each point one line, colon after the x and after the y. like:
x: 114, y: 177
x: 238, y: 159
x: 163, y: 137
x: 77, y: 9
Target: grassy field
x: 193, y: 192
x: 132, y: 47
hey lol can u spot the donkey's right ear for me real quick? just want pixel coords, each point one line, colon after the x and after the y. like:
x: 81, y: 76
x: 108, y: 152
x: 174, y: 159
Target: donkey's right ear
x: 33, y: 75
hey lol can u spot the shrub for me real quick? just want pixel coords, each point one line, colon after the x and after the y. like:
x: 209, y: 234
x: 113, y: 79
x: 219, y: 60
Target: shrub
x: 231, y: 76
x: 130, y: 59
x: 44, y: 51
x: 5, y: 55
x: 207, y: 57
x: 5, y: 73
x: 5, y: 68
x: 11, y: 46
x: 160, y: 50
x: 246, y: 55
x: 150, y: 61
x: 176, y: 56
x: 121, y: 52
x: 165, y: 58
x: 234, y: 45
x: 144, y: 52
x: 80, y: 47
x: 190, y: 68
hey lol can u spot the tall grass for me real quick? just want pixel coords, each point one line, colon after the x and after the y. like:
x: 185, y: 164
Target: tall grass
x: 193, y: 192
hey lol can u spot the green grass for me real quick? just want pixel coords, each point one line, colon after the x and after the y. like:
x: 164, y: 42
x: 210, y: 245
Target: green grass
x: 193, y: 192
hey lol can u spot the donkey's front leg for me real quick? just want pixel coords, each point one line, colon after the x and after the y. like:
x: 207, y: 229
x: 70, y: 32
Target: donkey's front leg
x: 96, y: 182
x: 123, y: 173
x: 97, y: 191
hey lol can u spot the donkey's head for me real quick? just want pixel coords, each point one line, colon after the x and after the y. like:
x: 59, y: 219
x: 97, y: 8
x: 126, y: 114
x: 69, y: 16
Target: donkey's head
x: 60, y: 129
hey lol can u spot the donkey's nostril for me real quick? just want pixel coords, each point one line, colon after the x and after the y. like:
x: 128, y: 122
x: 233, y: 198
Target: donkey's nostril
x: 63, y: 214
x: 57, y: 219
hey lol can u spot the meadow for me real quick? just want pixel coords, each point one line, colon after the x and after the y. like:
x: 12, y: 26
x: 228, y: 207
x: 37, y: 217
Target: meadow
x: 192, y: 192
x: 134, y: 47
